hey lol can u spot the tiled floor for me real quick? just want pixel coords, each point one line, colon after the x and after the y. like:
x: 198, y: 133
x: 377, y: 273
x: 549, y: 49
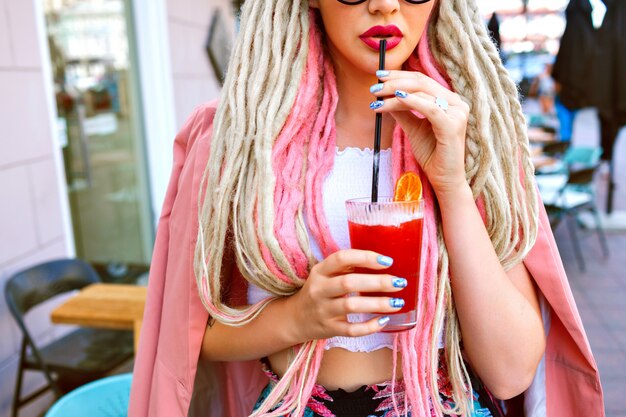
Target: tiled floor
x: 600, y: 292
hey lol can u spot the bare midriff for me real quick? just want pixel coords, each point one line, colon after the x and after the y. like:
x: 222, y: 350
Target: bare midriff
x: 347, y: 370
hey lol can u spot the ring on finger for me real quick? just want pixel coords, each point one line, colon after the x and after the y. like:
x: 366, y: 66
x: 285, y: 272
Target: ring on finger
x: 442, y: 103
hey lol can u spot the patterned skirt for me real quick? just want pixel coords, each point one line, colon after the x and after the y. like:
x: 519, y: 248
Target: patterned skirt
x: 378, y: 400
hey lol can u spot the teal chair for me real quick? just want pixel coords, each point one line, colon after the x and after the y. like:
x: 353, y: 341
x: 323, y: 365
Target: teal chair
x: 106, y: 397
x: 567, y: 190
x: 570, y: 158
x: 582, y: 156
x: 565, y: 196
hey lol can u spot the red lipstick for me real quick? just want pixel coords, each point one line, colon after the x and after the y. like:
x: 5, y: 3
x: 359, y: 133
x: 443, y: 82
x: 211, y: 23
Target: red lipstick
x: 374, y: 35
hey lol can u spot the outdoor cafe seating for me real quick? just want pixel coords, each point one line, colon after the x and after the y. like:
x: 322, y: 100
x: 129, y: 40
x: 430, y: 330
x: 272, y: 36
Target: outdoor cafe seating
x: 567, y: 189
x: 80, y: 356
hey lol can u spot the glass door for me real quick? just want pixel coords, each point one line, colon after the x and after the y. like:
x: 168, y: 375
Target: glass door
x: 99, y: 120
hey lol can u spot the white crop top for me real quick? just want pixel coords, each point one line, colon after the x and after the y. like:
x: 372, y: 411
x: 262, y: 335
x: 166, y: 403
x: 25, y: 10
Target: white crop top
x: 350, y: 177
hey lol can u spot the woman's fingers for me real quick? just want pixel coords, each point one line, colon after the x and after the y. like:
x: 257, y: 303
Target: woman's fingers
x: 407, y: 90
x: 439, y: 114
x: 365, y: 304
x: 336, y: 288
x: 341, y: 285
x: 423, y: 103
x: 348, y: 260
x: 413, y: 82
x: 337, y: 276
x: 362, y: 329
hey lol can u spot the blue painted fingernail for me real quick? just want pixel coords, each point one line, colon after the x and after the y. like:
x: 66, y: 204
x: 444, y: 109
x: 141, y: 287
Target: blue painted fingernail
x: 382, y: 73
x: 382, y: 322
x: 384, y: 260
x: 399, y: 282
x: 396, y: 302
x: 376, y: 104
x: 376, y: 88
x: 401, y: 94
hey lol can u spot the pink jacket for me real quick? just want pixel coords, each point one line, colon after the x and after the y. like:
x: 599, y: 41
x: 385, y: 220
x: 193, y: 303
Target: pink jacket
x: 170, y: 381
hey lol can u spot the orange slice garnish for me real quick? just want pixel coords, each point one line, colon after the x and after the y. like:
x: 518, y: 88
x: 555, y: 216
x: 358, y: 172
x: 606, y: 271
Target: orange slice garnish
x: 408, y: 187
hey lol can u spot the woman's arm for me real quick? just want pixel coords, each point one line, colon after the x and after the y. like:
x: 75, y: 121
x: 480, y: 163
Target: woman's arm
x: 317, y: 311
x: 498, y: 312
x: 269, y: 333
x: 272, y: 331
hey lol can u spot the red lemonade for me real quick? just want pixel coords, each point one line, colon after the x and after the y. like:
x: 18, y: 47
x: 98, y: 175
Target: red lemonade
x: 391, y: 228
x: 403, y: 243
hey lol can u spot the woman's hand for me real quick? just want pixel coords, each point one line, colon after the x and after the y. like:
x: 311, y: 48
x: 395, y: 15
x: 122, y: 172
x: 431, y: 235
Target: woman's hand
x: 321, y: 306
x: 437, y: 138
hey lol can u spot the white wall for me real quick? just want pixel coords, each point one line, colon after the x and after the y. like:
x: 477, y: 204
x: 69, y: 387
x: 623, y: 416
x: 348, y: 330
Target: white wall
x: 174, y: 80
x: 193, y: 78
x: 34, y: 214
x: 34, y: 222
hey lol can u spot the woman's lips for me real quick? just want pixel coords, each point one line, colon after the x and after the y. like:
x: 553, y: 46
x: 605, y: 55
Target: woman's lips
x: 374, y: 35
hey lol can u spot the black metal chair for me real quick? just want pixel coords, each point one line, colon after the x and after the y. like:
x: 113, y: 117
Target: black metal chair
x: 555, y: 149
x: 82, y: 355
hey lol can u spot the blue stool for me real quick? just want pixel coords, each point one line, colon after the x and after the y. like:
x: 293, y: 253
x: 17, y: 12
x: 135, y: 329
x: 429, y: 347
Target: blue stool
x: 106, y: 397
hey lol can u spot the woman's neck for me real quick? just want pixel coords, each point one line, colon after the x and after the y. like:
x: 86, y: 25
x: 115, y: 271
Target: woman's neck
x: 354, y: 118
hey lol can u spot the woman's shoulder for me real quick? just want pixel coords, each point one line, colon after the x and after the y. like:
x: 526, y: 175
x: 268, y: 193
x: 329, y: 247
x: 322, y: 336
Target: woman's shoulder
x: 208, y: 109
x: 198, y: 126
x: 202, y: 116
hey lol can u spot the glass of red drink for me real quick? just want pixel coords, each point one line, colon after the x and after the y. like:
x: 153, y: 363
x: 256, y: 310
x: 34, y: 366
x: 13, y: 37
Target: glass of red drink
x: 394, y: 229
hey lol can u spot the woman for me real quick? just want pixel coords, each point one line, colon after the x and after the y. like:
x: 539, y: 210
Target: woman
x: 271, y: 263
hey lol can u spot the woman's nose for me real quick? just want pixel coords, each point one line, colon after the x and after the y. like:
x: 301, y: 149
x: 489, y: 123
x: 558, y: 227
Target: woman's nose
x: 383, y: 6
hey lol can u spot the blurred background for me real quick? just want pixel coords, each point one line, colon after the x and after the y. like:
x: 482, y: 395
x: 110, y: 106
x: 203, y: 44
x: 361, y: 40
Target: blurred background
x: 94, y: 91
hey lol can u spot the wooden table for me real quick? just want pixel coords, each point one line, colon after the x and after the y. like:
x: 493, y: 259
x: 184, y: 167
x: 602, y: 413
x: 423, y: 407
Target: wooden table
x: 543, y: 161
x: 538, y: 135
x: 110, y: 306
x: 540, y: 160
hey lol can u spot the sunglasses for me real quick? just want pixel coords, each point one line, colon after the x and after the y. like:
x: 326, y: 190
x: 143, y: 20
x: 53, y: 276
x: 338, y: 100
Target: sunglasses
x: 355, y: 2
